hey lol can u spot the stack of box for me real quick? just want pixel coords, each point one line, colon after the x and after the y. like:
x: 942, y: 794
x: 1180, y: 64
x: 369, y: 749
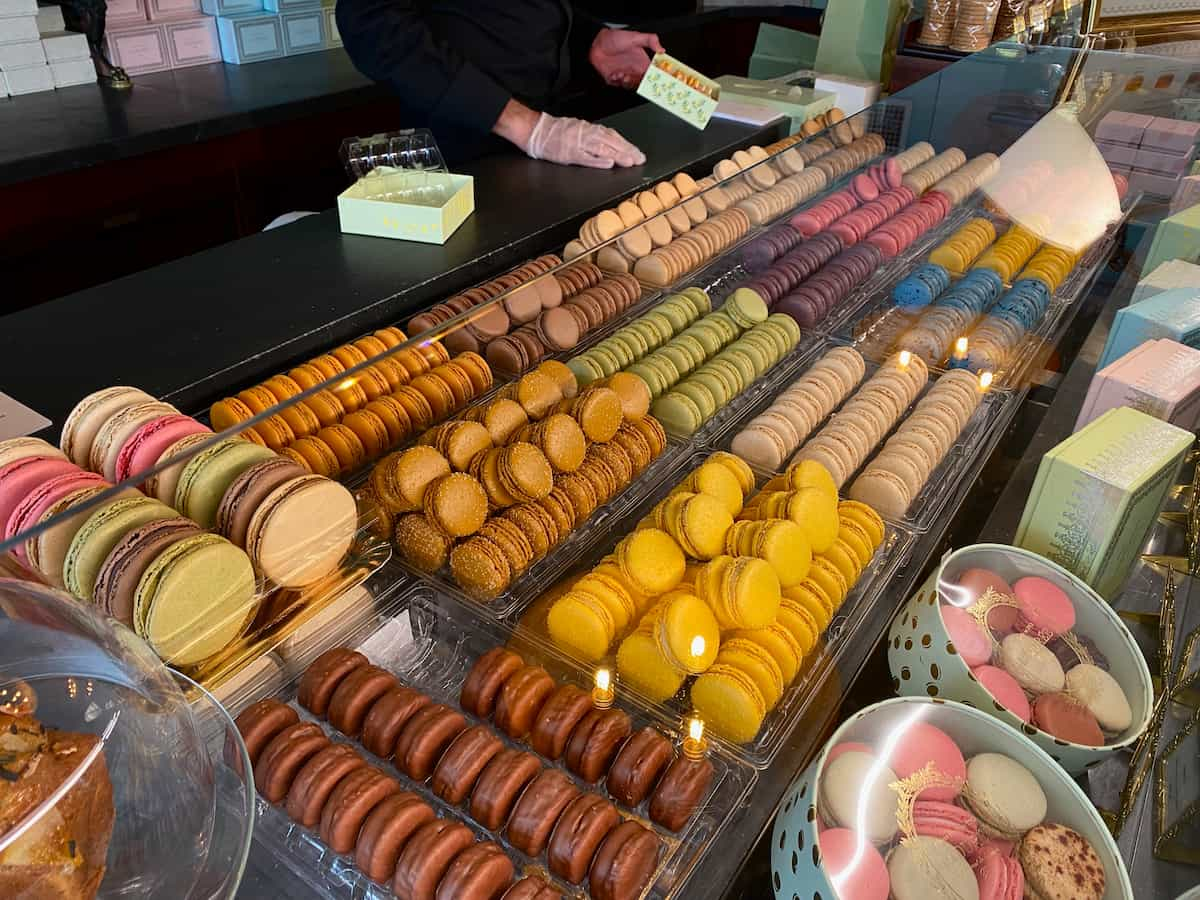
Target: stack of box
x: 23, y: 67
x: 1151, y: 151
x: 253, y: 30
x: 155, y: 35
x: 1168, y: 276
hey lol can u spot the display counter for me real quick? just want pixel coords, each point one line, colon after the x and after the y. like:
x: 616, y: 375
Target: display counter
x: 557, y: 566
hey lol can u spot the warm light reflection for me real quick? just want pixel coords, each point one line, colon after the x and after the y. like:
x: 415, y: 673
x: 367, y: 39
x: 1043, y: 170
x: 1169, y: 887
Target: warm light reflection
x: 698, y: 645
x: 602, y: 693
x: 694, y: 745
x: 985, y: 380
x: 905, y: 359
x: 960, y: 346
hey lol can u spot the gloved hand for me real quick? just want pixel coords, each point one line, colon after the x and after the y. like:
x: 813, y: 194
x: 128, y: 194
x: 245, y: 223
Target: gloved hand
x: 574, y: 142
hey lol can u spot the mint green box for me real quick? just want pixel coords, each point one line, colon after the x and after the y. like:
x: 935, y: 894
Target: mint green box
x: 663, y: 89
x: 859, y: 37
x: 1098, y: 493
x: 799, y: 104
x: 409, y: 206
x: 1177, y: 237
x: 778, y: 51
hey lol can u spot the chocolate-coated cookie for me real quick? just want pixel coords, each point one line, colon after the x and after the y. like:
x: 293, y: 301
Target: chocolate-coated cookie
x: 625, y: 862
x: 521, y: 700
x: 426, y: 857
x: 594, y: 742
x: 585, y: 822
x: 462, y: 762
x: 387, y: 716
x: 538, y: 809
x: 480, y: 872
x: 385, y: 832
x: 316, y: 780
x: 350, y: 803
x: 485, y: 679
x: 262, y: 721
x: 499, y: 785
x: 680, y: 791
x: 282, y: 758
x: 355, y: 695
x: 324, y: 675
x: 557, y: 719
x: 425, y: 738
x: 637, y: 766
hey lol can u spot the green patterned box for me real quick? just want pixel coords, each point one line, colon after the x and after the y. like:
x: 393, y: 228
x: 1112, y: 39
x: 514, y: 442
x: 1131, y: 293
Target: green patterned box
x: 411, y: 206
x: 1098, y: 492
x: 676, y: 96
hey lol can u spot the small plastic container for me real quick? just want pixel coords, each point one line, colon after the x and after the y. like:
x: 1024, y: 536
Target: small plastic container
x: 924, y: 661
x: 798, y: 861
x: 158, y: 800
x: 412, y: 149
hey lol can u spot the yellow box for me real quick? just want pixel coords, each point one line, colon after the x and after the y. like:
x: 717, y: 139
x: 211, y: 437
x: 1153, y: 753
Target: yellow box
x: 675, y: 95
x: 411, y: 206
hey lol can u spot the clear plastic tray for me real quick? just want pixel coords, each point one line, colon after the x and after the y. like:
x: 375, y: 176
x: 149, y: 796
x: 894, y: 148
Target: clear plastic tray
x: 940, y: 485
x: 810, y: 685
x: 430, y: 643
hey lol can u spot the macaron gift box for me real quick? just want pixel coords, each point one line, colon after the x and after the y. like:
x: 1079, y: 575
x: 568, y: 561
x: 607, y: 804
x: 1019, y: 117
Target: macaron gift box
x: 925, y: 660
x: 1173, y: 314
x: 1098, y: 492
x: 811, y: 859
x: 680, y: 90
x: 412, y: 206
x: 1159, y: 377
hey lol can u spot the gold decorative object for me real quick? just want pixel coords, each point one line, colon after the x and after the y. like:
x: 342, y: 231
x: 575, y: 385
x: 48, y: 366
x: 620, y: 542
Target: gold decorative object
x: 908, y: 789
x: 1176, y: 797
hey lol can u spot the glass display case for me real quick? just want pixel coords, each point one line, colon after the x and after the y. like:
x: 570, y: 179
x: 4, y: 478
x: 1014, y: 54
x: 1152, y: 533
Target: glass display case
x: 624, y: 523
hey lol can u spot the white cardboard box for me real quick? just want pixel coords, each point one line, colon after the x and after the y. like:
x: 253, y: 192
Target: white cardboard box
x: 29, y: 80
x: 282, y: 6
x: 18, y: 56
x: 193, y: 42
x: 10, y: 8
x: 853, y: 94
x: 70, y: 72
x: 250, y: 37
x: 65, y: 45
x: 302, y: 31
x: 18, y: 28
x: 140, y: 50
x: 50, y: 19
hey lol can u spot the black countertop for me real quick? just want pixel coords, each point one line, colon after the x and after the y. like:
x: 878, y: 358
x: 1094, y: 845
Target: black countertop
x: 56, y: 131
x: 197, y: 327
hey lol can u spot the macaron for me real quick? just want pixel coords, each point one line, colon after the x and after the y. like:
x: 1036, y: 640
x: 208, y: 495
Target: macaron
x: 39, y: 501
x: 20, y: 478
x: 1004, y: 795
x: 143, y: 448
x: 855, y: 793
x: 301, y: 530
x: 922, y: 745
x: 853, y: 865
x: 207, y: 475
x: 117, y: 581
x: 12, y: 449
x: 247, y: 491
x: 1005, y: 689
x: 113, y: 434
x: 100, y: 533
x: 83, y: 423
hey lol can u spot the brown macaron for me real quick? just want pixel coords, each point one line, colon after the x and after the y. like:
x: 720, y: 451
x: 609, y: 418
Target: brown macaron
x: 247, y: 492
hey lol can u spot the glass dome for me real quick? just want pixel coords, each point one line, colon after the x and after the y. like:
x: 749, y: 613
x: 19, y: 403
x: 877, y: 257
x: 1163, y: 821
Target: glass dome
x: 118, y: 777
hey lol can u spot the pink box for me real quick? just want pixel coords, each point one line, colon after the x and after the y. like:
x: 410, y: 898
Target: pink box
x: 1161, y: 378
x: 140, y: 50
x: 172, y: 10
x: 121, y: 12
x: 193, y: 42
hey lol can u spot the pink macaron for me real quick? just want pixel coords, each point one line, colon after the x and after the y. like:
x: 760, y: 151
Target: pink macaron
x: 1000, y: 876
x: 18, y: 479
x: 921, y: 744
x: 35, y: 504
x: 947, y: 821
x: 854, y: 867
x: 1044, y: 611
x: 970, y: 640
x: 846, y: 747
x: 1005, y: 689
x: 973, y: 584
x: 143, y: 448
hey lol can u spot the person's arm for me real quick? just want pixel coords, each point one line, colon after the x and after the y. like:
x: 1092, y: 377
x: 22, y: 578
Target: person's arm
x: 389, y: 42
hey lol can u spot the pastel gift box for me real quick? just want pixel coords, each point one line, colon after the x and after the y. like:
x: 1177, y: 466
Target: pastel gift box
x: 1161, y: 378
x: 125, y: 12
x: 50, y: 19
x: 140, y: 50
x: 18, y: 56
x: 663, y: 89
x: 29, y: 80
x: 193, y: 42
x: 1172, y: 314
x: 250, y: 37
x: 369, y: 206
x: 860, y: 40
x: 797, y: 103
x: 18, y: 28
x: 1098, y: 492
x: 302, y: 31
x: 1123, y: 128
x: 778, y: 51
x: 281, y: 6
x: 333, y: 37
x: 1174, y: 273
x: 72, y: 72
x: 66, y: 45
x: 1187, y: 192
x: 172, y: 10
x: 851, y: 94
x: 1177, y: 237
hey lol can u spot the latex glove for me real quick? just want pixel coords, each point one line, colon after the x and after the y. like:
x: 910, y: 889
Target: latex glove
x: 574, y: 142
x: 620, y: 55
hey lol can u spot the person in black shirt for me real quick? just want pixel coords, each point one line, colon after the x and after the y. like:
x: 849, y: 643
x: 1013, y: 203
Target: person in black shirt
x: 469, y: 70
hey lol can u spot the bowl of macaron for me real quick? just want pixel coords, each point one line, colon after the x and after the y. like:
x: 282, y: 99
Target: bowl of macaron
x: 917, y: 798
x: 1009, y: 632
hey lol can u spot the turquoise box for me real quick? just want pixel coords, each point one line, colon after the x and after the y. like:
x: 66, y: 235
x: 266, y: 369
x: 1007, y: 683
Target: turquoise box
x: 1173, y: 314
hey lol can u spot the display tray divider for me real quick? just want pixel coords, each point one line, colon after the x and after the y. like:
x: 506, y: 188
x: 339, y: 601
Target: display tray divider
x: 808, y: 684
x: 429, y: 642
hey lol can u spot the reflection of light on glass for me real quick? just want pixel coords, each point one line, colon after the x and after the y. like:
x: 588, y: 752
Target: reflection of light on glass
x: 694, y: 745
x: 698, y: 645
x: 346, y: 384
x: 958, y: 357
x: 954, y: 594
x: 602, y: 693
x: 985, y: 381
x: 905, y: 359
x: 72, y: 688
x: 874, y: 774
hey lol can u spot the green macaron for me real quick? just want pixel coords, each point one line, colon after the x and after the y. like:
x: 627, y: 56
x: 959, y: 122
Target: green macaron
x: 732, y: 376
x: 700, y: 395
x: 209, y: 473
x: 623, y: 354
x: 665, y: 366
x: 678, y: 413
x: 647, y: 332
x: 585, y: 369
x: 746, y: 307
x: 632, y: 342
x: 692, y: 346
x: 700, y: 300
x: 788, y: 324
x: 102, y: 531
x: 722, y: 320
x: 743, y: 359
x: 676, y: 313
x: 681, y: 360
x: 653, y: 379
x: 716, y: 385
x: 606, y: 360
x: 661, y: 325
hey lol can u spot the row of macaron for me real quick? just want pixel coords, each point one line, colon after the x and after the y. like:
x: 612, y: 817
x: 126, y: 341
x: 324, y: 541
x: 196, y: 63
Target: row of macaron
x: 909, y: 816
